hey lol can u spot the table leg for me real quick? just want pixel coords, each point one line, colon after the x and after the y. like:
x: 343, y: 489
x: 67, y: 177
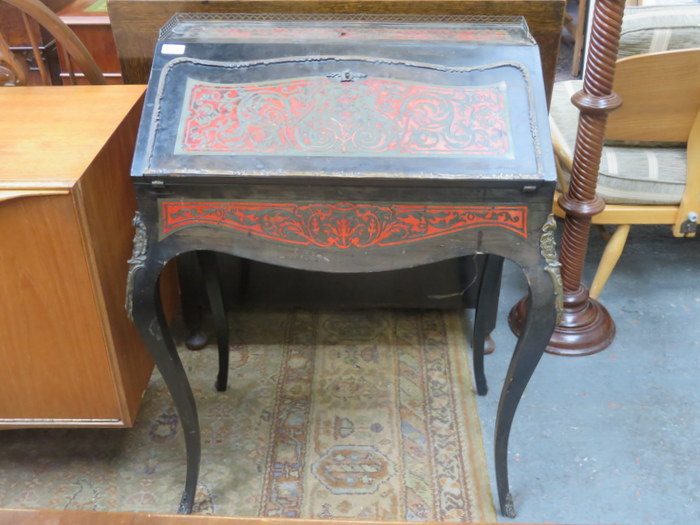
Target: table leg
x: 485, y: 315
x: 537, y: 329
x: 150, y: 320
x: 212, y: 280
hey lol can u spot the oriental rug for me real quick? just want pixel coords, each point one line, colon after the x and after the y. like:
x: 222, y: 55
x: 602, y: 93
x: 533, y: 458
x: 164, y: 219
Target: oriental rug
x: 329, y: 414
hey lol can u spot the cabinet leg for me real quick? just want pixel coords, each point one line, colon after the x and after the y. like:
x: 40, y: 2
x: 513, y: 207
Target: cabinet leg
x: 537, y: 329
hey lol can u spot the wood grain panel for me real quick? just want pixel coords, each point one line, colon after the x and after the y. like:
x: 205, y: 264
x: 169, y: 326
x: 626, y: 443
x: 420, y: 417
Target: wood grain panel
x: 100, y: 42
x: 660, y: 96
x: 54, y: 363
x: 12, y: 27
x: 94, y: 30
x: 106, y: 204
x: 70, y: 355
x: 34, y: 126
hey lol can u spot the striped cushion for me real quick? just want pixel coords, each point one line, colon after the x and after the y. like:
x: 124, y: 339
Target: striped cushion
x: 627, y: 174
x: 650, y: 29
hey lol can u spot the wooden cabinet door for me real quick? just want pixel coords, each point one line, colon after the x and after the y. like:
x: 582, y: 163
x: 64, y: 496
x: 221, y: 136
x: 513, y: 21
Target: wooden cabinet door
x: 54, y: 362
x: 70, y: 356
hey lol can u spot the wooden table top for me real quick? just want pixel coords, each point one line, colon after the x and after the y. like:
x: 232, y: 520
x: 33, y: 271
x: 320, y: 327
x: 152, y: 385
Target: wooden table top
x: 50, y: 134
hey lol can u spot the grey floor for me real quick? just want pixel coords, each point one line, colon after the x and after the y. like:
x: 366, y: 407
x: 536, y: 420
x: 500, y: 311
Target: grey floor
x: 613, y: 437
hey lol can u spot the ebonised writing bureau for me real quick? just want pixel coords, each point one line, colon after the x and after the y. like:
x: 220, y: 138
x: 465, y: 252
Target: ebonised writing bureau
x: 344, y: 145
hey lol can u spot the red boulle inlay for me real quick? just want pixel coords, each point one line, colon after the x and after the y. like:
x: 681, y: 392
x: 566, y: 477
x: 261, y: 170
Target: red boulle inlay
x: 324, y: 117
x: 342, y: 225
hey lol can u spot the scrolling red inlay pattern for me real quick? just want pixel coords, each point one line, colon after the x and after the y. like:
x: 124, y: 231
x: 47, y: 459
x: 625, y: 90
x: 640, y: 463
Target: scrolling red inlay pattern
x: 341, y: 225
x: 320, y: 116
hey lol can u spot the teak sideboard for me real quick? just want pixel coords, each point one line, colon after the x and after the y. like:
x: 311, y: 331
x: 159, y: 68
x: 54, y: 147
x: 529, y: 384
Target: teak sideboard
x: 70, y: 356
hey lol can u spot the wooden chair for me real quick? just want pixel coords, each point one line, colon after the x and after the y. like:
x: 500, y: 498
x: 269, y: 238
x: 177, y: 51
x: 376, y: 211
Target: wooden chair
x: 13, y: 71
x: 650, y: 166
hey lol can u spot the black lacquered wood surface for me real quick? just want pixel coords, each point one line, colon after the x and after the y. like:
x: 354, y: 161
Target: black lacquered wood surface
x: 344, y: 146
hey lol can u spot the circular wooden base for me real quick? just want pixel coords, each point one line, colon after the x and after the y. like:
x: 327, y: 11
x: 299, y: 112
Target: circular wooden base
x: 586, y: 326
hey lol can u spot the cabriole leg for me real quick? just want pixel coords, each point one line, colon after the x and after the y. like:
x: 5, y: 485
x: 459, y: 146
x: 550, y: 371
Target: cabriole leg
x: 150, y: 320
x: 537, y: 329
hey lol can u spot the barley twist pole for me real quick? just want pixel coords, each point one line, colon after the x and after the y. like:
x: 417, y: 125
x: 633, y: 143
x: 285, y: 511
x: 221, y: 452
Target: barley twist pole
x: 586, y: 326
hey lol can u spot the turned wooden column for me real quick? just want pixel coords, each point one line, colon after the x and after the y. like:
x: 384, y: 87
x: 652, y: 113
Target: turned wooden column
x: 585, y: 326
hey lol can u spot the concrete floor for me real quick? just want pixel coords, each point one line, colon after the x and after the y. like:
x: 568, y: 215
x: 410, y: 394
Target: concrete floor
x: 613, y: 437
